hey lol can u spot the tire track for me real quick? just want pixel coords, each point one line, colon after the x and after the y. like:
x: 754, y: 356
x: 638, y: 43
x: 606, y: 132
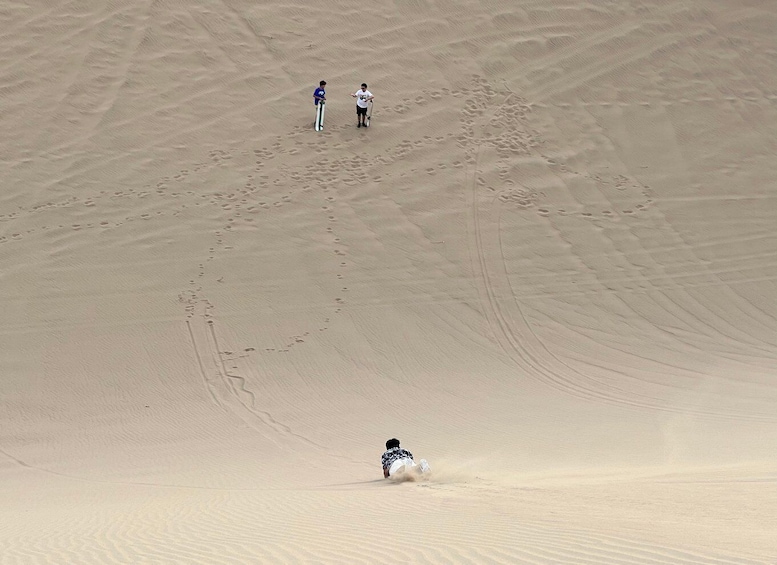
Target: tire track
x: 501, y: 328
x: 514, y: 334
x: 229, y: 391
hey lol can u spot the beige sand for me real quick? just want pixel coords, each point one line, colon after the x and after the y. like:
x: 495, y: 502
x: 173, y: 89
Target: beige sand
x: 548, y: 267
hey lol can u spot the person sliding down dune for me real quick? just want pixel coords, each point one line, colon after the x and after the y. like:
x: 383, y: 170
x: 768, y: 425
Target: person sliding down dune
x: 396, y: 460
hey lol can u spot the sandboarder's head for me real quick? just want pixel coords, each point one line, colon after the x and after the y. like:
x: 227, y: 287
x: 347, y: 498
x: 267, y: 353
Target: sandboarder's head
x: 322, y: 83
x: 392, y: 443
x: 364, y: 86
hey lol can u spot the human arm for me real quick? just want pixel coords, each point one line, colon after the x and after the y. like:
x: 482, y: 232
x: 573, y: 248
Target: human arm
x: 385, y: 472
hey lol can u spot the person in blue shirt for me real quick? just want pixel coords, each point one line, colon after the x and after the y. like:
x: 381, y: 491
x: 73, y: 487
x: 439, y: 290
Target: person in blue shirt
x: 319, y: 94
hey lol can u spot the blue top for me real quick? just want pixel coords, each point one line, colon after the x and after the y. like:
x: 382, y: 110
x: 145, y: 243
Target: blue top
x: 318, y: 93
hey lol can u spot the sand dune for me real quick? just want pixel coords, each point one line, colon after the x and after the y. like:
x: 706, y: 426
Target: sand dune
x: 548, y: 267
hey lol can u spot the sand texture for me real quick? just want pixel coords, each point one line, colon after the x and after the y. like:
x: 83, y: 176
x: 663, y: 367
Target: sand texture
x: 548, y: 267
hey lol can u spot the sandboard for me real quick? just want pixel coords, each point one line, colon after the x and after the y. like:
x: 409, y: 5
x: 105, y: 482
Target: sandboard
x: 369, y: 114
x: 320, y: 109
x: 402, y: 466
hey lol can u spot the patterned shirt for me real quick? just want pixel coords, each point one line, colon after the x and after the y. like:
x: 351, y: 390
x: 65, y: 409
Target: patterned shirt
x: 392, y: 455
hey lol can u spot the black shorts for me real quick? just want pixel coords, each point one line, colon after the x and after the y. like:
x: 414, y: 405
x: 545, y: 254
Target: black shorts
x: 361, y: 111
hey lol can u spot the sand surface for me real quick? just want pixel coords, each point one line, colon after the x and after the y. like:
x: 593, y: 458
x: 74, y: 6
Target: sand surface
x: 548, y: 267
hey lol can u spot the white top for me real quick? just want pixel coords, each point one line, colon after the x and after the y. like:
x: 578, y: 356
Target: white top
x: 361, y: 97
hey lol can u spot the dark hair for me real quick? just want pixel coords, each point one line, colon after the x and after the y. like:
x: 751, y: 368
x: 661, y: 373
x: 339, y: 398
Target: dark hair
x: 322, y: 83
x: 364, y: 84
x: 393, y: 442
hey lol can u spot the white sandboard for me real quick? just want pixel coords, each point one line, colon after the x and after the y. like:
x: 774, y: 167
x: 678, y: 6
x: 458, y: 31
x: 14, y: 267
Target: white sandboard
x: 320, y: 109
x: 407, y: 465
x: 369, y: 114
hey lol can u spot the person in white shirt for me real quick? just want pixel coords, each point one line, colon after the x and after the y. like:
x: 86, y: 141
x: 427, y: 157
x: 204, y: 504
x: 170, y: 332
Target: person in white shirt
x: 362, y: 97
